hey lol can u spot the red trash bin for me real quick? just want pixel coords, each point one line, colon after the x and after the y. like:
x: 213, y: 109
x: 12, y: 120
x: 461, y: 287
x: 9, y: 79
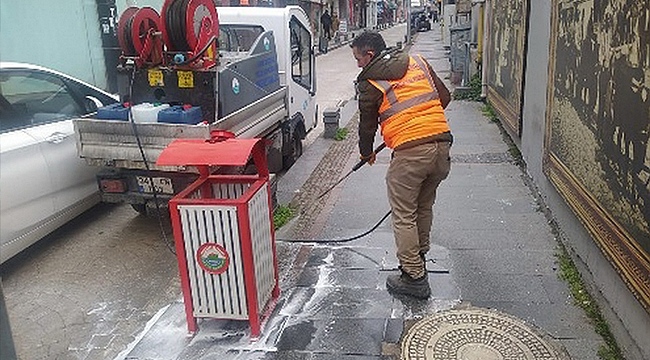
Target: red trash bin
x: 223, y: 232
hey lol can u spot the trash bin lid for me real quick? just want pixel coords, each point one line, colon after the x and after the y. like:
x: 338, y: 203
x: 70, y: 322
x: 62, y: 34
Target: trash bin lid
x: 199, y: 152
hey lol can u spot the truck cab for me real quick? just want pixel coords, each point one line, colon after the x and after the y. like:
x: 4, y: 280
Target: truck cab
x: 240, y: 26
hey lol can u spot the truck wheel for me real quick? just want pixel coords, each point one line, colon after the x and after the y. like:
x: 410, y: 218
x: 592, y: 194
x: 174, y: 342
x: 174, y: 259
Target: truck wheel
x: 296, y: 151
x: 140, y: 208
x: 275, y: 160
x: 149, y: 211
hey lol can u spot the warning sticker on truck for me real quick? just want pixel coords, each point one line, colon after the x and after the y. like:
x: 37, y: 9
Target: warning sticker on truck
x: 155, y: 78
x: 185, y: 79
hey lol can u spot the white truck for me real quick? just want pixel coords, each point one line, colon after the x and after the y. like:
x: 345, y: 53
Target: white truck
x: 264, y: 85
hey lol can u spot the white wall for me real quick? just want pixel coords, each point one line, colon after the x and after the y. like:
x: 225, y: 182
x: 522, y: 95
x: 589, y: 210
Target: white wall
x: 123, y: 4
x: 62, y: 35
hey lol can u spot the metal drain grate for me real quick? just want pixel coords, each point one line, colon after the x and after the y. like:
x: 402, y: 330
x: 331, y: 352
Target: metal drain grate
x: 475, y: 334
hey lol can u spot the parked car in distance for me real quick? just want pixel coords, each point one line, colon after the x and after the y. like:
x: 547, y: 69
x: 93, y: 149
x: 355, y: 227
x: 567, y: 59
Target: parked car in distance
x: 420, y: 21
x: 43, y: 182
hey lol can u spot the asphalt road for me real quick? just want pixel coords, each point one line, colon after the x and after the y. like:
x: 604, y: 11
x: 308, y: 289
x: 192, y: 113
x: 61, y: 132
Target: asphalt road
x: 87, y: 290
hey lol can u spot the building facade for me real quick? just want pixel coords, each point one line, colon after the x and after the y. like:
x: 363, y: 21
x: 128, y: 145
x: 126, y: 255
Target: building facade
x: 570, y: 82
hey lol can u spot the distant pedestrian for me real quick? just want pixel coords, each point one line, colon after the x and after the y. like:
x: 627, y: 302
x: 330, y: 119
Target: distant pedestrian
x: 326, y: 22
x: 403, y: 95
x: 336, y: 22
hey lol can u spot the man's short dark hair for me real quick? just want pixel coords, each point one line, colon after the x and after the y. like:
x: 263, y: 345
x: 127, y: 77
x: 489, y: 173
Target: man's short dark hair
x: 369, y: 40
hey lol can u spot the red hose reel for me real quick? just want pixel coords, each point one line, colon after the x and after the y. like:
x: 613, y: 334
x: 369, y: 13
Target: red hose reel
x: 139, y: 36
x: 189, y: 30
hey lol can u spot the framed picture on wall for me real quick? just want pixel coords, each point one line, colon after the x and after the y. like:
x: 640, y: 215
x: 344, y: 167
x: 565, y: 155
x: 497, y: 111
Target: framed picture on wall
x: 597, y: 151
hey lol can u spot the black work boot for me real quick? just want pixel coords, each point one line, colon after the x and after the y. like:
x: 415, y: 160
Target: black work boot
x: 405, y: 284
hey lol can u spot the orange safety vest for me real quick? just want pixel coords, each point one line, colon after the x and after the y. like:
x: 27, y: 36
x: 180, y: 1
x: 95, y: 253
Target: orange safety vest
x: 411, y: 108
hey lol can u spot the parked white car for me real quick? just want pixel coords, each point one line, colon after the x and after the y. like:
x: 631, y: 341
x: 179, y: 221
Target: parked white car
x: 43, y: 183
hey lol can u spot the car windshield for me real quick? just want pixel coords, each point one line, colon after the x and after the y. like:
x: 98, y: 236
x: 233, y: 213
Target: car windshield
x: 28, y: 97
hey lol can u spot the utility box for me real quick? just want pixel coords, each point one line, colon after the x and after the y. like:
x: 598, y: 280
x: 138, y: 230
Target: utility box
x: 223, y: 232
x: 331, y: 117
x: 460, y: 56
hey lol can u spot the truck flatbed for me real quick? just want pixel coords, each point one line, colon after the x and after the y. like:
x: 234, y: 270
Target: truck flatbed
x: 113, y: 143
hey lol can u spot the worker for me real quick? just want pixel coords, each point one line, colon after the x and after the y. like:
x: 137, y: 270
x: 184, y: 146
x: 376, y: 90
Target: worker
x: 404, y: 95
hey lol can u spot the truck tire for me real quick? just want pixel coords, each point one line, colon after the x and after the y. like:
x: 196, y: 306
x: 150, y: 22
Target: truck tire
x: 140, y: 208
x: 275, y: 160
x: 296, y: 151
x: 149, y: 209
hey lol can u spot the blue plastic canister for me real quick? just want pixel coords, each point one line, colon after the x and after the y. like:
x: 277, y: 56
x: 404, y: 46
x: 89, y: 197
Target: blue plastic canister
x: 113, y: 112
x: 181, y: 115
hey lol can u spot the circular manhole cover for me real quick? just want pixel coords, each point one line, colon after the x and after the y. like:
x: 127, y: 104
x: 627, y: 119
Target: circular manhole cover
x: 475, y: 334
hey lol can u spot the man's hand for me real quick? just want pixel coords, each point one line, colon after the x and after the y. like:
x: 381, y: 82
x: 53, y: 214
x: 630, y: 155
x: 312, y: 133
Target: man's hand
x: 370, y: 159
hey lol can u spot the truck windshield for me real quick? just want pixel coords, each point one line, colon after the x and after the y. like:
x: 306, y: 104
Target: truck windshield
x: 238, y: 38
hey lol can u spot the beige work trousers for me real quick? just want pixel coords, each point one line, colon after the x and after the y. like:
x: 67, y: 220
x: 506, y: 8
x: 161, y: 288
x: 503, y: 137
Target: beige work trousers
x: 412, y: 180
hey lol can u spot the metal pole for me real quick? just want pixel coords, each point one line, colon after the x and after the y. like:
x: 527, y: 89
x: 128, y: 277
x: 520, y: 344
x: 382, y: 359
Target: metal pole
x: 486, y: 39
x: 408, y: 21
x: 7, y: 350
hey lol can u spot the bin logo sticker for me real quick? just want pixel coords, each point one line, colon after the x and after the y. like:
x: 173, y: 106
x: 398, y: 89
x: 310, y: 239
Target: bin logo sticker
x: 235, y: 86
x: 213, y: 258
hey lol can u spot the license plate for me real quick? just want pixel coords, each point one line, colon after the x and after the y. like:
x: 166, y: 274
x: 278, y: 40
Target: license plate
x: 161, y: 184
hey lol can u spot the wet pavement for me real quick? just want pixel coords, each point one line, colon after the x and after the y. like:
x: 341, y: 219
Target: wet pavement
x: 493, y: 254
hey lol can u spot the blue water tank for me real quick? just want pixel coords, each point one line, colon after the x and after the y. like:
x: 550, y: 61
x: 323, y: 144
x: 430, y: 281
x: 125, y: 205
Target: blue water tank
x: 178, y: 114
x: 113, y: 112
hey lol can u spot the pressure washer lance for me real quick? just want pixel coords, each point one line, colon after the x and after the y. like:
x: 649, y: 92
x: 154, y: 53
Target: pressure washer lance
x: 355, y: 168
x: 348, y: 239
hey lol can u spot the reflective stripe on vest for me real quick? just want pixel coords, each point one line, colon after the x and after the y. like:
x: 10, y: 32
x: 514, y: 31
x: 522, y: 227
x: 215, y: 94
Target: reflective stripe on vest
x: 389, y: 92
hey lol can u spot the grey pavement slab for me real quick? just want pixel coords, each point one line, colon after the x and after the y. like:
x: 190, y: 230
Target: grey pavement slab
x: 318, y: 356
x: 340, y: 302
x: 496, y: 192
x: 360, y: 278
x: 498, y: 260
x: 381, y: 238
x: 166, y: 339
x: 486, y: 239
x: 444, y: 287
x: 476, y: 175
x: 557, y: 320
x: 348, y: 256
x: 344, y: 336
x: 500, y: 203
x: 581, y: 348
x: 478, y: 286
